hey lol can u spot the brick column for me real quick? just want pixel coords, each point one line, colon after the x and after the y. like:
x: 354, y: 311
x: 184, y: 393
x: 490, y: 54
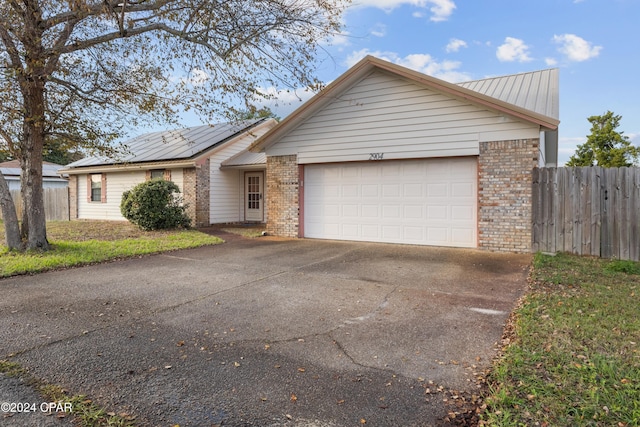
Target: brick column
x: 282, y: 203
x: 202, y: 194
x: 505, y: 194
x: 189, y: 195
x: 73, y: 197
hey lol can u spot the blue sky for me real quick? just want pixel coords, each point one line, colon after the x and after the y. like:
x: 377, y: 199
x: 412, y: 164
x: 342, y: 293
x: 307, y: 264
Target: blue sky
x: 594, y: 43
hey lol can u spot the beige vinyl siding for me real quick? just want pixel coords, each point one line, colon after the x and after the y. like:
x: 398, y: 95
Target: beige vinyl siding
x: 226, y: 191
x: 117, y: 183
x: 225, y: 196
x: 387, y: 114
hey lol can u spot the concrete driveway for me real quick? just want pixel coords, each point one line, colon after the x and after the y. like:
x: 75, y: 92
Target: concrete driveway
x: 267, y: 332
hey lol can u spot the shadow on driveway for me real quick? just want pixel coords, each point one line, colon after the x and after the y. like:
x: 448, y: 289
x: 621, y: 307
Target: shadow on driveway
x: 268, y: 332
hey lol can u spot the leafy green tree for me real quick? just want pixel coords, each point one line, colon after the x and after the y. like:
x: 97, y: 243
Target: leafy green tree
x: 605, y: 146
x: 60, y: 152
x: 253, y: 112
x: 92, y: 70
x: 155, y: 205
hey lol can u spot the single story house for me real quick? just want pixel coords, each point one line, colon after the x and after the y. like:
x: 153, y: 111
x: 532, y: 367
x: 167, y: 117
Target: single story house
x: 388, y: 154
x: 192, y: 158
x: 50, y: 177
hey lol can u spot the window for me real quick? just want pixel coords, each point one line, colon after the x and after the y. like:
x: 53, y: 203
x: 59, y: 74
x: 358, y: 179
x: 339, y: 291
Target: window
x: 97, y: 188
x: 157, y: 173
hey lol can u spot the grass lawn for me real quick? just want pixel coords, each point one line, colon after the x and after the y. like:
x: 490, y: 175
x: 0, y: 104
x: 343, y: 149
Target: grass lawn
x: 85, y: 242
x: 574, y: 353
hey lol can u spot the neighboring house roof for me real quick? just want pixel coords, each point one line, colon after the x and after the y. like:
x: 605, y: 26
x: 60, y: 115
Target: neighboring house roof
x: 543, y: 102
x: 11, y: 169
x: 169, y: 147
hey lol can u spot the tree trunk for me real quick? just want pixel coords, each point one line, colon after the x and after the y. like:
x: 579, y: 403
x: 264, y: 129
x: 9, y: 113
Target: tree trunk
x: 11, y: 226
x: 31, y: 164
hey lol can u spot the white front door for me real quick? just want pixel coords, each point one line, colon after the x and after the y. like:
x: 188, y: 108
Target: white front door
x: 254, y: 200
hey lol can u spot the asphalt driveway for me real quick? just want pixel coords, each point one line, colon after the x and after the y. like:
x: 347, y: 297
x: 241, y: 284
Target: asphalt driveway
x: 267, y: 332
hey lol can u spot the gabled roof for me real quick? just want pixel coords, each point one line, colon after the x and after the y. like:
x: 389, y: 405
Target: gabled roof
x: 172, y: 145
x: 245, y: 158
x: 12, y: 169
x: 370, y: 63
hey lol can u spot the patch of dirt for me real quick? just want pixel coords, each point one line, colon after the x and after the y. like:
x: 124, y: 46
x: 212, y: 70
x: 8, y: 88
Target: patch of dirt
x: 82, y: 230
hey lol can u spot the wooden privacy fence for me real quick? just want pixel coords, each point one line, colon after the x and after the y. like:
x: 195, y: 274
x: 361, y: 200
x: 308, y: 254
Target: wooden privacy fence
x: 56, y: 203
x: 587, y: 211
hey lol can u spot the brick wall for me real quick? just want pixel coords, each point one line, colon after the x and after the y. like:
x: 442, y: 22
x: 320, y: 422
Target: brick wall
x: 282, y: 188
x: 189, y: 195
x: 73, y: 197
x: 505, y: 195
x: 203, y: 205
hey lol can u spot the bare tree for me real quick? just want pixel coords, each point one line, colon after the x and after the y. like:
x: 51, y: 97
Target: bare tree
x: 85, y: 71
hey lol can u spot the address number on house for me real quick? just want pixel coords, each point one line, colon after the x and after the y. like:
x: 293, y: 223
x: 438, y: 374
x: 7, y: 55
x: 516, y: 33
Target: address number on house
x: 376, y: 156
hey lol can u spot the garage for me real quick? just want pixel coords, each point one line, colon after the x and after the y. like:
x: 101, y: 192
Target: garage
x: 418, y: 201
x: 388, y: 154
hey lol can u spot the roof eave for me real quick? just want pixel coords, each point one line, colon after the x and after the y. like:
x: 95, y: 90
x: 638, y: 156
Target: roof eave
x: 120, y: 167
x: 192, y: 161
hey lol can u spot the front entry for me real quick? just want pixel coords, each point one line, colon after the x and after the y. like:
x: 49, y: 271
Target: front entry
x: 253, y: 201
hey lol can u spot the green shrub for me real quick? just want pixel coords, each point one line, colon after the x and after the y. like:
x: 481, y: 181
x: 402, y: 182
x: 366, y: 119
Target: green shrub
x: 155, y: 205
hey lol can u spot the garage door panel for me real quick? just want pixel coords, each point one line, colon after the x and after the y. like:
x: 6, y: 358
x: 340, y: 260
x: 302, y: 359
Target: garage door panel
x: 459, y: 236
x: 462, y: 213
x: 350, y: 211
x: 370, y: 232
x: 392, y: 233
x: 370, y: 190
x: 431, y: 202
x: 350, y: 230
x: 413, y: 190
x: 459, y: 189
x: 370, y: 211
x: 437, y: 190
x: 391, y: 212
x: 391, y: 190
x: 413, y: 212
x: 437, y: 213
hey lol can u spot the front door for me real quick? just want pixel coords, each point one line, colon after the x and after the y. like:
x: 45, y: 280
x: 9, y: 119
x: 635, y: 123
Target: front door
x: 254, y: 202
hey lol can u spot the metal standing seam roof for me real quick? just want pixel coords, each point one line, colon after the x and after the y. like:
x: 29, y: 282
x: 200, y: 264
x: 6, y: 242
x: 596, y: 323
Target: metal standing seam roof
x: 535, y: 91
x: 179, y: 144
x: 245, y: 158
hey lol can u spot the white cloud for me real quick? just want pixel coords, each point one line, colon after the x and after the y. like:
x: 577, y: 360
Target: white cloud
x: 440, y: 10
x: 424, y: 63
x: 567, y: 147
x: 454, y: 45
x: 576, y: 48
x: 379, y: 30
x: 551, y: 62
x: 282, y: 102
x: 513, y: 50
x: 197, y: 77
x: 340, y: 39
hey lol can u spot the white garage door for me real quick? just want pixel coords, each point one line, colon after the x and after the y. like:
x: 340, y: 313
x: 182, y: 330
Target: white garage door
x: 424, y: 202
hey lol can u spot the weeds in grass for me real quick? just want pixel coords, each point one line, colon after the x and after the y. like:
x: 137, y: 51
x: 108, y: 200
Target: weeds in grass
x: 575, y: 356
